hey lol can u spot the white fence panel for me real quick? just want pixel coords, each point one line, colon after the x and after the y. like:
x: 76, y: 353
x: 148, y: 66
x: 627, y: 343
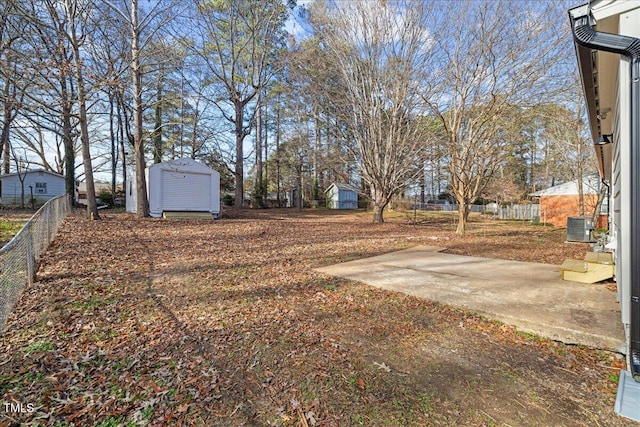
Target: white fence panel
x: 529, y: 212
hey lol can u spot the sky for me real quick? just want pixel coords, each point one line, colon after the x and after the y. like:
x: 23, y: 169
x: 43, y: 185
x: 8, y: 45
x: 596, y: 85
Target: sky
x: 297, y: 27
x: 294, y: 23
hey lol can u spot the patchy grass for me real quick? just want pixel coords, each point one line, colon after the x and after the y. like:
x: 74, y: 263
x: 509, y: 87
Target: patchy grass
x: 225, y: 323
x: 37, y: 347
x: 9, y: 228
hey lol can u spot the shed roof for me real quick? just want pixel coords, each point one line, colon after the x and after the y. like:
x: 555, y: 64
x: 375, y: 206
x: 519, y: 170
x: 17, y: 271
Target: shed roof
x: 184, y: 164
x: 342, y: 187
x: 590, y: 185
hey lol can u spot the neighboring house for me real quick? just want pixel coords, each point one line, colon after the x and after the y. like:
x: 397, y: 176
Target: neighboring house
x: 272, y: 199
x: 562, y: 201
x: 181, y: 185
x: 44, y: 185
x: 607, y: 41
x: 341, y: 196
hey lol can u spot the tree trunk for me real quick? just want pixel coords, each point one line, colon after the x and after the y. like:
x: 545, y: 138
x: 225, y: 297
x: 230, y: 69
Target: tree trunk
x: 6, y: 124
x: 157, y: 132
x: 265, y: 146
x: 316, y: 155
x: 596, y: 211
x: 194, y: 137
x: 278, y: 153
x: 580, y: 182
x: 67, y: 140
x: 182, y: 118
x: 22, y: 190
x: 463, y: 216
x: 258, y: 167
x: 114, y: 144
x: 120, y: 111
x: 299, y: 187
x: 92, y: 207
x: 380, y: 202
x: 532, y: 173
x: 378, y: 212
x: 6, y: 148
x: 142, y: 205
x: 239, y: 167
x: 580, y: 197
x: 4, y: 144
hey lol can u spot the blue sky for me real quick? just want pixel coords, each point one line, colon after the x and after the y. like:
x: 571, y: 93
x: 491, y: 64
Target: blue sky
x: 294, y: 23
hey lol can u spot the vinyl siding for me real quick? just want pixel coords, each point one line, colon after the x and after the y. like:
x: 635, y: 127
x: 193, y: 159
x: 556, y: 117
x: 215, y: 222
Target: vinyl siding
x: 12, y: 189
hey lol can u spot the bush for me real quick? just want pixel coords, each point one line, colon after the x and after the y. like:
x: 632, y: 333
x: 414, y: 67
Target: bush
x: 106, y: 197
x: 228, y: 200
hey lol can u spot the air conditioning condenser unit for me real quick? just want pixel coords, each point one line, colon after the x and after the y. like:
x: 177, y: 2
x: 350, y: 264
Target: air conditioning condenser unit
x: 580, y: 229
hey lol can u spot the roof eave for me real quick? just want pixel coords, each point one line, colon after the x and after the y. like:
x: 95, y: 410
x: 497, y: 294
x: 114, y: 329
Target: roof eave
x: 588, y: 76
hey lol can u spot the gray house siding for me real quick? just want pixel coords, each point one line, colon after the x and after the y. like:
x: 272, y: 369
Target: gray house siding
x: 45, y: 186
x: 619, y: 176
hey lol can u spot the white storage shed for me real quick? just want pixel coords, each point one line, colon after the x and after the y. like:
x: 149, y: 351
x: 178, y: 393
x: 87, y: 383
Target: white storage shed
x: 181, y: 185
x: 341, y: 196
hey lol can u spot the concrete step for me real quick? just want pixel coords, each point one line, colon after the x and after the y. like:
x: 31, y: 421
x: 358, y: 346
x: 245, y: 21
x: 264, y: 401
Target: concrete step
x: 595, y: 273
x: 574, y: 265
x: 599, y: 257
x: 595, y: 267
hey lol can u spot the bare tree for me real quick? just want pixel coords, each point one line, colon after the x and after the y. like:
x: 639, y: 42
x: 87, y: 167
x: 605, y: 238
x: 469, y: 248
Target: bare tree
x: 492, y: 59
x: 22, y: 167
x: 12, y: 73
x: 37, y: 141
x: 564, y: 125
x: 109, y: 56
x: 381, y: 51
x: 49, y: 105
x: 77, y: 15
x: 142, y: 30
x: 142, y: 208
x: 240, y: 42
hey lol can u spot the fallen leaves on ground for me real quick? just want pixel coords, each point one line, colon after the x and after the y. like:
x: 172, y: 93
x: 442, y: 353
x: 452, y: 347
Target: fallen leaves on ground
x: 152, y: 322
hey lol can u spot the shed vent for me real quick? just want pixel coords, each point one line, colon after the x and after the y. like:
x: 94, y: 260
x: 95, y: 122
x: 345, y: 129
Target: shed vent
x: 579, y: 229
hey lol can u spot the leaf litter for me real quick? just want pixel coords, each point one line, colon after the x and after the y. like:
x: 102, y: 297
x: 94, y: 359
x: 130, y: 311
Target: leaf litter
x: 152, y: 322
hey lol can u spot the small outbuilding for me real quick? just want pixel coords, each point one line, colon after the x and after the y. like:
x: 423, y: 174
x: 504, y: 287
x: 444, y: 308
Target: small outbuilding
x: 42, y: 184
x: 181, y: 185
x: 561, y: 201
x: 341, y: 196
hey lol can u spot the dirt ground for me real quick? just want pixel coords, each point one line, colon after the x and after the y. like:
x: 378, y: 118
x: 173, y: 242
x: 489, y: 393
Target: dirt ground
x: 207, y: 323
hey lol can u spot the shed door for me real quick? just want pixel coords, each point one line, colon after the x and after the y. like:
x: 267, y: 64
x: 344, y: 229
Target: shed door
x: 186, y: 191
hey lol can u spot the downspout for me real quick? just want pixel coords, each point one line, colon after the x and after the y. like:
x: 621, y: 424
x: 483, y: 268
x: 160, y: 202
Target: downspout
x: 585, y: 35
x: 608, y: 195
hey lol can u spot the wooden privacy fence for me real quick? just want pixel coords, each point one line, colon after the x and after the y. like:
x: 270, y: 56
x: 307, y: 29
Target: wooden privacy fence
x: 20, y: 257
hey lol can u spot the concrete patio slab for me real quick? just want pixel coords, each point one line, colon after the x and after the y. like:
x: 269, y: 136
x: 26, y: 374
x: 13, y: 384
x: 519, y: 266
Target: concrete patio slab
x: 529, y: 296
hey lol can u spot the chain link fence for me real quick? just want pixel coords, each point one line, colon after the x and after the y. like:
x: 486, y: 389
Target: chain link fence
x: 20, y: 257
